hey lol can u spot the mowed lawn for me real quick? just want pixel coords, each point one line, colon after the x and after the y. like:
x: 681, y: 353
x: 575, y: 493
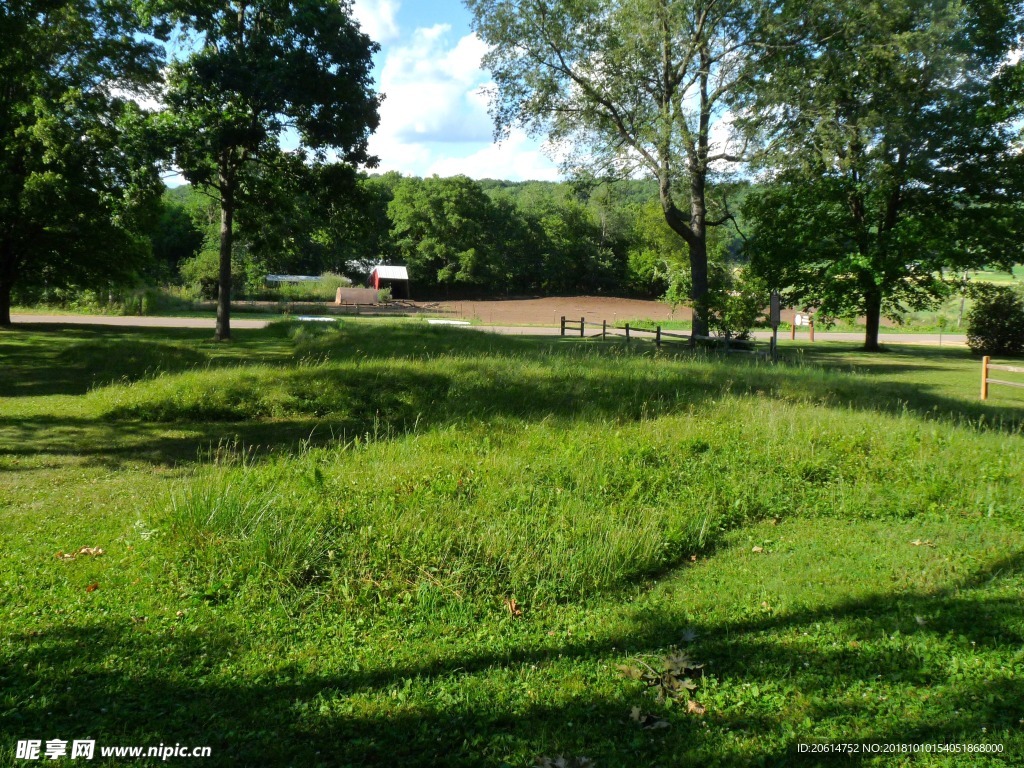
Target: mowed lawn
x: 376, y: 544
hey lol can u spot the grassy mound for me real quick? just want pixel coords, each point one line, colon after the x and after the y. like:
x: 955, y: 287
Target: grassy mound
x: 371, y: 544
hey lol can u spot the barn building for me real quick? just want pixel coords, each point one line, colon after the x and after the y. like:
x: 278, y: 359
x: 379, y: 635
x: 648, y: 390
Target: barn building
x: 395, y: 278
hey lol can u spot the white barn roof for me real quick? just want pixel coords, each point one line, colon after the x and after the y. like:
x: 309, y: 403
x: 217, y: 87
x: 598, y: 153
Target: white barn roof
x: 292, y: 279
x: 385, y: 272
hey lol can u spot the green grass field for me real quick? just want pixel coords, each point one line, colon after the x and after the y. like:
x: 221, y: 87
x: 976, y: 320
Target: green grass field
x: 376, y: 544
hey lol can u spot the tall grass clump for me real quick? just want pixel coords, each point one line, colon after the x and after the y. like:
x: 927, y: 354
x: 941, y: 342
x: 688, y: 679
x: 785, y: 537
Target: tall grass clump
x: 238, y: 530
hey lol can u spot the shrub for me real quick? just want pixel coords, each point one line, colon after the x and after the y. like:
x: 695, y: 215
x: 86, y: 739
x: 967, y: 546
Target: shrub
x: 995, y: 324
x: 735, y: 300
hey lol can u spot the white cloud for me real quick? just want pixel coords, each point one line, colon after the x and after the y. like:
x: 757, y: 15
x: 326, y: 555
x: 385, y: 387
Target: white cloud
x: 434, y: 118
x: 430, y: 88
x: 377, y: 18
x: 518, y: 158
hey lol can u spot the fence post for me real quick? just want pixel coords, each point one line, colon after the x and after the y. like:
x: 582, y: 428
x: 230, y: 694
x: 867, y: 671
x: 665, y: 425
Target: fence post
x: 811, y: 323
x: 583, y: 321
x: 604, y: 329
x: 984, y: 377
x: 563, y: 325
x: 627, y: 333
x: 792, y: 330
x: 657, y: 335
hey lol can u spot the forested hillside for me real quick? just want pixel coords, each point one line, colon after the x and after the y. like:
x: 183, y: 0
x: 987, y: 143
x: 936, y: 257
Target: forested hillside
x: 455, y: 235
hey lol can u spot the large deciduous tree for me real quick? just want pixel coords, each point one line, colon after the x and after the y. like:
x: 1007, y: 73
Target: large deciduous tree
x: 75, y: 168
x: 633, y: 85
x: 441, y: 230
x: 261, y: 71
x: 889, y: 152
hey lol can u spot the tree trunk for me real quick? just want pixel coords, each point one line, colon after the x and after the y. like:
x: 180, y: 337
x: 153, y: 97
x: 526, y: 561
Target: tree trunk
x: 699, y: 255
x: 5, y: 304
x: 694, y: 233
x: 6, y: 282
x: 873, y: 313
x: 227, y: 213
x: 699, y: 285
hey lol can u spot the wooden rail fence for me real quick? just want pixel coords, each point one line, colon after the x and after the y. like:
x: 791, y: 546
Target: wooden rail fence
x: 986, y: 366
x: 658, y: 336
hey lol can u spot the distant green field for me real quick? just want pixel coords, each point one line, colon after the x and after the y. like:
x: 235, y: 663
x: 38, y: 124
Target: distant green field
x: 999, y: 276
x: 376, y: 543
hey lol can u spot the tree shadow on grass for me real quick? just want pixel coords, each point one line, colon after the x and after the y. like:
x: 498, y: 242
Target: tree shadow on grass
x: 103, y: 443
x: 179, y: 682
x: 377, y: 385
x: 280, y: 409
x: 73, y: 359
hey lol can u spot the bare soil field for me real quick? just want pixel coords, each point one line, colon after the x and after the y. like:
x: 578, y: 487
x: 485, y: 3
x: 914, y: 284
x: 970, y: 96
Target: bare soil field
x: 547, y: 311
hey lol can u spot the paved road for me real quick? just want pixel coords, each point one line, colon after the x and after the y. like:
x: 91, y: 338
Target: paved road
x: 135, y: 322
x: 931, y: 339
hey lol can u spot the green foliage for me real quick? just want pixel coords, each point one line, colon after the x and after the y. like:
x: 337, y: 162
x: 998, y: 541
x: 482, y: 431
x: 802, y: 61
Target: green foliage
x: 995, y: 324
x: 200, y: 274
x: 736, y: 299
x: 886, y: 165
x: 656, y: 256
x: 841, y: 532
x: 258, y: 69
x: 324, y: 289
x: 440, y: 229
x: 176, y: 236
x: 76, y: 158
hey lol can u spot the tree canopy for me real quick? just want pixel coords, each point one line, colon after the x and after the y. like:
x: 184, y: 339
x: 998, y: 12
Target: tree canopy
x: 76, y: 165
x: 628, y: 86
x: 261, y: 70
x: 889, y: 153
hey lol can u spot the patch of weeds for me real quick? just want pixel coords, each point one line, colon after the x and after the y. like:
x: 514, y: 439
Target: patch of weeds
x: 563, y: 762
x: 672, y: 677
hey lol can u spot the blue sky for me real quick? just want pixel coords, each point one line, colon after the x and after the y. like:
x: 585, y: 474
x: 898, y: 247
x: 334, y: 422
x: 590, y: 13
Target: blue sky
x: 434, y: 117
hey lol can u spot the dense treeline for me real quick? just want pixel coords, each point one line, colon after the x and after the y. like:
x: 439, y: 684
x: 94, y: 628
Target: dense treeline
x: 884, y: 139
x: 456, y: 235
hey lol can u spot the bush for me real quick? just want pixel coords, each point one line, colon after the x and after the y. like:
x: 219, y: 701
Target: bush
x: 734, y: 301
x: 995, y: 324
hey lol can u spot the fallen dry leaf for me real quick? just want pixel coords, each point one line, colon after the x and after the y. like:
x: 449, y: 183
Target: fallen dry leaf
x: 695, y: 707
x: 919, y: 543
x: 757, y: 549
x: 92, y: 587
x: 647, y: 722
x: 84, y: 551
x: 513, y: 607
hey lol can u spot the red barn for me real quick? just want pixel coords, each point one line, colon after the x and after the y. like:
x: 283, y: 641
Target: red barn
x: 395, y: 278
